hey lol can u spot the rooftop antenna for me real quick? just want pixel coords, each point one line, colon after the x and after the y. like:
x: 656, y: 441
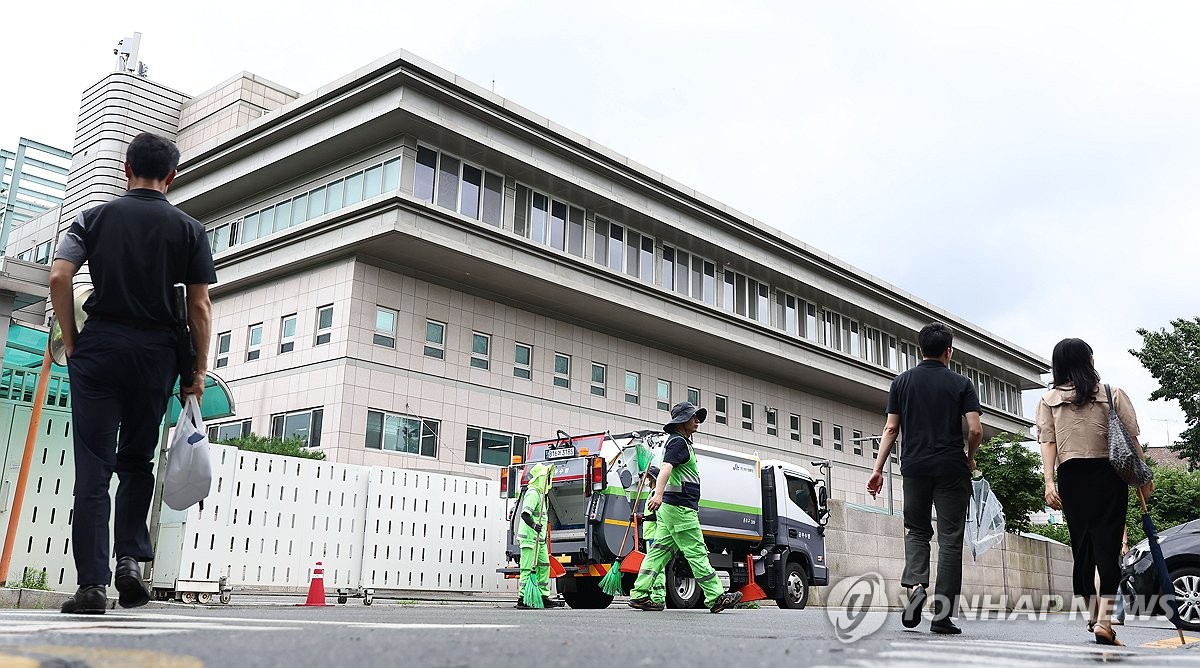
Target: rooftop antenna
x: 127, y: 56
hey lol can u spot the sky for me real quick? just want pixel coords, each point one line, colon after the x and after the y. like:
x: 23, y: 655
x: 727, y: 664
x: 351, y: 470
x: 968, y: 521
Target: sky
x: 1027, y: 166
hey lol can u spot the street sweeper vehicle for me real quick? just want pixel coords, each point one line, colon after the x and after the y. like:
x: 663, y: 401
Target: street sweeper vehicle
x: 763, y: 520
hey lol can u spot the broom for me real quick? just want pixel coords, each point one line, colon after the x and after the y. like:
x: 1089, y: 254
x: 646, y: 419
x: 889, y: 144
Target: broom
x: 611, y: 582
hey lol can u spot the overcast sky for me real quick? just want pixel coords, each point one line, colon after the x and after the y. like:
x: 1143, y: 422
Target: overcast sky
x: 1029, y: 166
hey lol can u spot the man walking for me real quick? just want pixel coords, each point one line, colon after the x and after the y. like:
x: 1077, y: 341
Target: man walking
x: 676, y: 505
x: 927, y: 404
x: 123, y: 365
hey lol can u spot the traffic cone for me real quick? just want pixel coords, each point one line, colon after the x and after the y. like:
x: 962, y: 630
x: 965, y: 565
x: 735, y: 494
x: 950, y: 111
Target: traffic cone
x: 751, y: 591
x: 316, y: 589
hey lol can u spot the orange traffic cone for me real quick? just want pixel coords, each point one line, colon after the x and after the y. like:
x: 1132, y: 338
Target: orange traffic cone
x: 751, y: 591
x: 316, y: 589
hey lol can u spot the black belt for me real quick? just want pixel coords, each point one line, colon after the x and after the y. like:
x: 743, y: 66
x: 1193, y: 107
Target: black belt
x: 130, y: 322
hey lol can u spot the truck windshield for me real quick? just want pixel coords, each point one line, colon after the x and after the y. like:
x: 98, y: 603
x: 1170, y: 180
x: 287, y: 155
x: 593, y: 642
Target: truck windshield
x: 801, y: 493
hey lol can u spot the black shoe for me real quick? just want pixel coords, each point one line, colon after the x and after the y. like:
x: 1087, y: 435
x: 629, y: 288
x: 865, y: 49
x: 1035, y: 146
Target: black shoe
x: 548, y: 602
x: 129, y: 584
x: 944, y: 627
x: 521, y: 604
x: 645, y: 604
x: 912, y: 611
x: 87, y: 600
x: 726, y: 600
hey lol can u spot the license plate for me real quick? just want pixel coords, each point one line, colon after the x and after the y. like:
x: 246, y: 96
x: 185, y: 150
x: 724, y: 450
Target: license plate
x: 559, y: 453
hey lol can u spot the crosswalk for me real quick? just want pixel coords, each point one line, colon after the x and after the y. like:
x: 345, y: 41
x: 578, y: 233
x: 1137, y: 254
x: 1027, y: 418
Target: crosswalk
x: 1012, y: 654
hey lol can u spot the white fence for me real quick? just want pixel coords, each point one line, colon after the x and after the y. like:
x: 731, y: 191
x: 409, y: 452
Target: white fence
x: 270, y: 518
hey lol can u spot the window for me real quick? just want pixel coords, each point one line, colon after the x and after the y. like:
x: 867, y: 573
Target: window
x: 426, y: 174
x: 41, y: 254
x: 856, y: 438
x: 816, y: 433
x: 693, y: 396
x: 402, y: 433
x: 494, y: 448
x: 837, y: 438
x: 219, y: 433
x: 746, y: 296
x: 599, y: 374
x: 287, y: 333
x: 747, y: 415
x: 794, y: 427
x: 663, y: 393
x: 831, y: 329
x: 908, y: 356
x: 562, y: 370
x: 721, y: 408
x: 632, y: 387
x: 803, y: 494
x: 493, y: 201
x: 522, y: 364
x: 810, y: 321
x: 956, y: 367
x: 549, y: 221
x: 875, y: 448
x: 787, y: 315
x: 385, y: 327
x: 304, y: 425
x: 481, y: 346
x: 772, y: 422
x: 447, y: 182
x: 435, y: 339
x: 668, y: 267
x: 639, y: 256
x: 694, y: 277
x: 254, y: 342
x: 324, y: 324
x: 224, y: 339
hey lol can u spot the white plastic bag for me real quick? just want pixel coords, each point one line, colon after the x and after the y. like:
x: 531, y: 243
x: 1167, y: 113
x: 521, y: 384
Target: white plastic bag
x: 985, y: 519
x: 188, y: 477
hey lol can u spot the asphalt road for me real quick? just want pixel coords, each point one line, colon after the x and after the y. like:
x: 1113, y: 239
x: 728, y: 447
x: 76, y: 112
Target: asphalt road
x: 443, y: 635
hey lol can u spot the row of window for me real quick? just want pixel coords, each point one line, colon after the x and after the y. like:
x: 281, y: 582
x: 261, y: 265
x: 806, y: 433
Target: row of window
x: 322, y: 334
x: 39, y: 254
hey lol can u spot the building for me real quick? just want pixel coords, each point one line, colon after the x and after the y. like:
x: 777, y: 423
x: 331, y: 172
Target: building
x: 416, y: 272
x: 32, y: 186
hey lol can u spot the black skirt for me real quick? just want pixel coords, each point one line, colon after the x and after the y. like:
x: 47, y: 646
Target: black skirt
x: 1095, y: 502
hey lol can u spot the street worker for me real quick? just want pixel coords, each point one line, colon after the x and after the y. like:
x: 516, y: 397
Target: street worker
x: 658, y: 591
x: 123, y: 364
x: 676, y: 505
x: 927, y: 405
x: 534, y: 583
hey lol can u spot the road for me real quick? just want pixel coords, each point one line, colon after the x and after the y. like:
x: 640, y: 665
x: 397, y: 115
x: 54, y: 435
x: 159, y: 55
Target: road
x: 392, y: 633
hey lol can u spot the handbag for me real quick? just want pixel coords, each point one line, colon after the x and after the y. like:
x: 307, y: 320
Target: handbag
x: 188, y: 476
x: 1121, y: 455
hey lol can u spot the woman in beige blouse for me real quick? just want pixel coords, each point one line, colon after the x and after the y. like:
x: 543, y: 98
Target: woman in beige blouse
x: 1072, y: 422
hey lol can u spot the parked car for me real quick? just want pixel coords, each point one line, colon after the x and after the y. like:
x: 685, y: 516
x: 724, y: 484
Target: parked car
x: 1181, y: 549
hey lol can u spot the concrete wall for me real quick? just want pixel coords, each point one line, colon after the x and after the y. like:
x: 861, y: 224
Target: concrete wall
x: 859, y: 541
x: 229, y: 105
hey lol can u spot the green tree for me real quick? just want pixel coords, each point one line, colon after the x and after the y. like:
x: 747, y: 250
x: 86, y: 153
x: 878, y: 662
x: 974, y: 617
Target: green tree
x: 1176, y: 500
x: 1056, y: 532
x: 288, y: 447
x: 1173, y: 358
x: 1014, y: 472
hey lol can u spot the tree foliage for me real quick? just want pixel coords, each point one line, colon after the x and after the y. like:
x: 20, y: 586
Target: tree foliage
x: 1056, y: 532
x: 1014, y: 472
x: 288, y: 447
x: 1176, y: 500
x: 1173, y: 358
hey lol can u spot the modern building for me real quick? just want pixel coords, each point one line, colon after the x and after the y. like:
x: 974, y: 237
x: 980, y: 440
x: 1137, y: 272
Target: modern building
x: 33, y: 182
x: 417, y: 272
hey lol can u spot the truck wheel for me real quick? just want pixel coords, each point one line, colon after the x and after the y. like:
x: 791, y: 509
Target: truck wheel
x: 795, y: 587
x: 682, y: 590
x: 587, y: 595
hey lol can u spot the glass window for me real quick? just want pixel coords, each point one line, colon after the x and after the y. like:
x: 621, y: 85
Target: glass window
x: 729, y: 292
x: 391, y: 175
x: 600, y: 242
x: 633, y: 253
x: 523, y: 357
x: 354, y: 189
x: 494, y: 448
x: 254, y: 342
x: 575, y: 231
x: 747, y: 415
x: 802, y: 494
x: 616, y: 246
x: 304, y: 425
x: 447, y: 187
x: 402, y: 433
x: 335, y: 192
x: 521, y: 212
x: 287, y: 333
x: 220, y: 239
x: 720, y: 408
x: 250, y: 226
x: 266, y: 222
x: 283, y: 218
x: 856, y: 441
x: 810, y: 321
x: 224, y: 339
x: 220, y: 433
x: 668, y: 268
x: 300, y: 209
x: 493, y: 198
x: 794, y: 427
x: 472, y: 185
x: 373, y: 182
x: 837, y: 438
x: 385, y: 327
x: 816, y: 433
x: 599, y: 376
x: 558, y: 225
x: 562, y: 370
x: 481, y: 346
x: 646, y: 262
x: 316, y: 202
x: 435, y: 339
x: 762, y: 312
x: 663, y: 394
x: 426, y: 170
x: 693, y: 396
x: 538, y: 216
x: 632, y: 387
x: 324, y: 324
x: 697, y: 278
x: 772, y: 422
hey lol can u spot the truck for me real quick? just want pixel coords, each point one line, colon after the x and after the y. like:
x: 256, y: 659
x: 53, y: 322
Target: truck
x: 763, y: 520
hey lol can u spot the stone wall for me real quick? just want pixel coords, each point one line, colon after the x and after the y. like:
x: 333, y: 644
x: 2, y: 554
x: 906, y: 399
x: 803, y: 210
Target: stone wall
x: 859, y: 541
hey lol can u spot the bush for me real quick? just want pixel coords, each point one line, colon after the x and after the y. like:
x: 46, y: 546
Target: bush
x: 32, y: 578
x: 1176, y: 500
x: 289, y: 447
x: 1056, y: 532
x: 1014, y: 472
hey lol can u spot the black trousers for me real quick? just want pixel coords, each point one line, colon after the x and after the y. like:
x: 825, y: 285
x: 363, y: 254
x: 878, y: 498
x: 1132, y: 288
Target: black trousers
x: 950, y: 495
x: 121, y: 378
x: 1094, y: 501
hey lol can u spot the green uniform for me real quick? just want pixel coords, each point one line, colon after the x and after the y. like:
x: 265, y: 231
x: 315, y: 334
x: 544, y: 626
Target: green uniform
x: 535, y: 552
x: 658, y: 591
x: 678, y: 527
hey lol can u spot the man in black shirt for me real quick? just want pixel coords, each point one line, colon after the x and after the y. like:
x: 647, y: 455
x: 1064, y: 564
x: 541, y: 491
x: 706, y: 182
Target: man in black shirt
x: 123, y: 365
x: 927, y: 404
